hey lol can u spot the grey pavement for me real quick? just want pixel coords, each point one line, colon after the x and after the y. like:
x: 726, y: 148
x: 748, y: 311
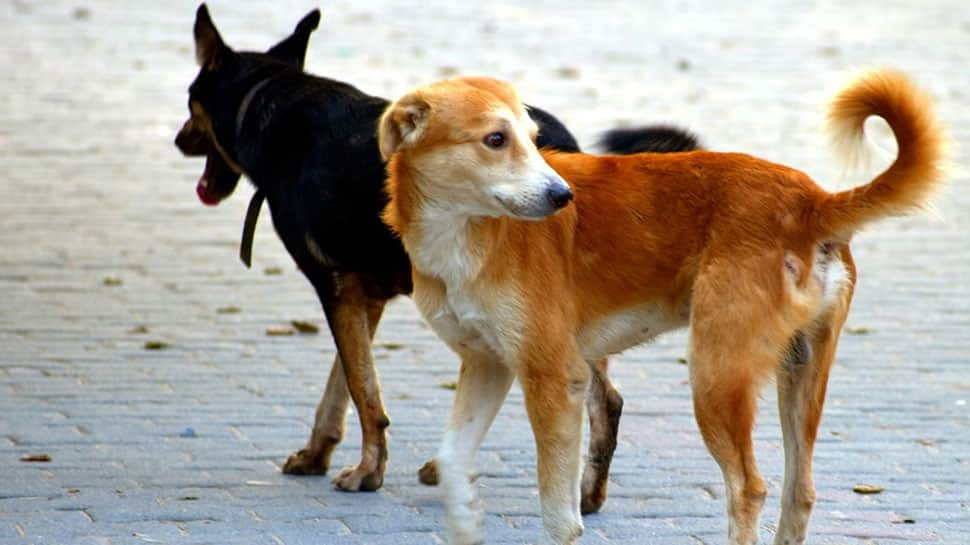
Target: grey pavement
x: 104, y: 247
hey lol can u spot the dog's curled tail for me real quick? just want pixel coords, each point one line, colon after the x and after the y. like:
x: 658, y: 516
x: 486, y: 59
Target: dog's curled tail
x: 917, y: 171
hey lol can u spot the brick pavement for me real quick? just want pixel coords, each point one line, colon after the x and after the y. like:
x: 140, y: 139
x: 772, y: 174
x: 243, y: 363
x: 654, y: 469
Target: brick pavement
x: 91, y: 189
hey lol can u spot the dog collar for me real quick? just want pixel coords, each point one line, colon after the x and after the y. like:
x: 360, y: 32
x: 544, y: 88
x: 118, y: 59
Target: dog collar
x: 249, y: 228
x: 247, y: 98
x: 256, y: 202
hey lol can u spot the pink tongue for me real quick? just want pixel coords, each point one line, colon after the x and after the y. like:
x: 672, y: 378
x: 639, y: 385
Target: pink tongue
x: 203, y: 194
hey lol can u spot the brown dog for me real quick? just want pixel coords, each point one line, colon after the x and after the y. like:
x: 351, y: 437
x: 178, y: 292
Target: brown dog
x: 752, y: 256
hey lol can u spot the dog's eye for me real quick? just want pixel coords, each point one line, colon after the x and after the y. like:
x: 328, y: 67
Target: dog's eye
x: 495, y: 140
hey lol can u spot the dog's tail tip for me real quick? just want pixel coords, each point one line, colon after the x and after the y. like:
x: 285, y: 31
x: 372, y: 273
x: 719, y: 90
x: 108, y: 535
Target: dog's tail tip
x: 651, y: 138
x: 310, y: 22
x: 922, y: 142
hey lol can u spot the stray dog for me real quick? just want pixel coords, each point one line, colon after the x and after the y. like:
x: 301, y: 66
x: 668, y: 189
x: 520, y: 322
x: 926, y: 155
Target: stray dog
x: 752, y: 256
x: 309, y: 145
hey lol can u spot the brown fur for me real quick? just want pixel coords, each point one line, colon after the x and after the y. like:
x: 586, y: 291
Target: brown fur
x: 749, y: 254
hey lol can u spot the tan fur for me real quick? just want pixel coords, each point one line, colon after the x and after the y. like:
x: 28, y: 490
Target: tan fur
x: 751, y: 255
x: 354, y: 318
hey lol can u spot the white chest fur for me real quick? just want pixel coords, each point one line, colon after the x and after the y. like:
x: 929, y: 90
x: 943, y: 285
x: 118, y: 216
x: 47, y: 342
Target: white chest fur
x: 466, y: 315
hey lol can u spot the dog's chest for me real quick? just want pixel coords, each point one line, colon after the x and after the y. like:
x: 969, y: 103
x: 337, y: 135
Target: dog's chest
x: 469, y: 323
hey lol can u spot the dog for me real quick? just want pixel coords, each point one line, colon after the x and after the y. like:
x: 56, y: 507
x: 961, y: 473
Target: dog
x: 309, y: 146
x: 529, y: 263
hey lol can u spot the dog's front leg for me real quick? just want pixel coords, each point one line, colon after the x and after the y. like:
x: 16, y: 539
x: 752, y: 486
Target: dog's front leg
x: 555, y: 387
x: 483, y: 384
x: 328, y: 427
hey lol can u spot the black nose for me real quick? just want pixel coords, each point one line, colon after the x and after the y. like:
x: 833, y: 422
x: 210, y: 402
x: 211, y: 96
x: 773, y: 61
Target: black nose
x: 559, y: 195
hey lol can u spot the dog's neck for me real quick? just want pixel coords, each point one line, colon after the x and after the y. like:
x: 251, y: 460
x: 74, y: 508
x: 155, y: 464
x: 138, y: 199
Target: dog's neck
x: 444, y: 243
x: 443, y: 240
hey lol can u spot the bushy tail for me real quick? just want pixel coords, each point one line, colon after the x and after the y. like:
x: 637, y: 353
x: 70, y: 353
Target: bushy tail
x: 652, y: 138
x: 917, y: 171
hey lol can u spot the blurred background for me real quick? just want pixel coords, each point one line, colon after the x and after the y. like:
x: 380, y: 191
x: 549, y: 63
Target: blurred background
x: 105, y: 250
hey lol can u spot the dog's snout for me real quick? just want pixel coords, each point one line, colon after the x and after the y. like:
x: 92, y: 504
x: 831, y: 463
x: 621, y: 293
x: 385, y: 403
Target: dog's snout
x: 559, y: 194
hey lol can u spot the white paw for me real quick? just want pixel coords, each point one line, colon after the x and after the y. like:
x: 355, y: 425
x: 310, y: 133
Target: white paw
x: 466, y: 524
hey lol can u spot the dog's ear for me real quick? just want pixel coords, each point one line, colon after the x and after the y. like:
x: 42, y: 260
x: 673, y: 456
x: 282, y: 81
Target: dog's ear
x: 209, y: 47
x: 402, y: 124
x: 292, y: 50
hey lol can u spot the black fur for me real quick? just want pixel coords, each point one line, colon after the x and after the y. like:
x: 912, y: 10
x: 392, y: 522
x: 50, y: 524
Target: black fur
x: 799, y: 351
x: 309, y: 145
x: 656, y: 138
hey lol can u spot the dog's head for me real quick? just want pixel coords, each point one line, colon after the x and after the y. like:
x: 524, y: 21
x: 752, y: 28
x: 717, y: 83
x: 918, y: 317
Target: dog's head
x: 218, y: 93
x: 471, y: 146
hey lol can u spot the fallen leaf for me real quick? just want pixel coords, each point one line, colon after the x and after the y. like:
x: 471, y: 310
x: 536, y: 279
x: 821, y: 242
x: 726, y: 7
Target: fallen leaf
x: 229, y: 310
x: 568, y: 73
x: 305, y: 327
x: 138, y: 329
x: 73, y: 490
x: 829, y: 51
x: 867, y: 489
x: 449, y: 385
x: 273, y: 271
x: 858, y: 330
x: 280, y: 331
x: 157, y: 345
x: 392, y: 346
x: 682, y: 360
x: 36, y: 458
x: 112, y: 281
x: 683, y: 65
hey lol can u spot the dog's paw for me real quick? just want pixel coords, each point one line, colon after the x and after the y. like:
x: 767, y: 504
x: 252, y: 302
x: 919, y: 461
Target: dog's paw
x: 466, y: 524
x: 592, y: 502
x: 593, y: 488
x: 355, y: 479
x: 307, y: 462
x: 593, y: 496
x: 428, y: 474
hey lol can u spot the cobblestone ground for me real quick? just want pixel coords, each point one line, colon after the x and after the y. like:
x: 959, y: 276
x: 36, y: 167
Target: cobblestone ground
x: 104, y: 247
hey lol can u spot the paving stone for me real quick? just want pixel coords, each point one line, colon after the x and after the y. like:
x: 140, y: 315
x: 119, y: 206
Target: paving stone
x: 91, y: 187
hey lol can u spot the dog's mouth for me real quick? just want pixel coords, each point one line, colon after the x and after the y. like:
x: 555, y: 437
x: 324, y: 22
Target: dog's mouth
x: 217, y: 182
x: 535, y: 205
x: 218, y: 179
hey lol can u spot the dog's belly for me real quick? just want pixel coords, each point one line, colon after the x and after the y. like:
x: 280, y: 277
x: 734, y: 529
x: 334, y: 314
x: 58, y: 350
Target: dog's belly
x: 625, y: 329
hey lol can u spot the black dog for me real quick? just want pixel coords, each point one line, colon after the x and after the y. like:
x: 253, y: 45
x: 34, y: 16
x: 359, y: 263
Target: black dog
x: 309, y: 146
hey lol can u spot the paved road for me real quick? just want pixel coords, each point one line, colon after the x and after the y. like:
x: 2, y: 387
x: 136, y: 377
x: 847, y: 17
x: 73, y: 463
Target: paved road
x: 104, y: 247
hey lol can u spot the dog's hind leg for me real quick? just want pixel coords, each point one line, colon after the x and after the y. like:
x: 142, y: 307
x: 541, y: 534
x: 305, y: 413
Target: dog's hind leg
x: 328, y: 423
x: 725, y: 404
x: 483, y: 384
x: 802, y: 381
x: 604, y: 405
x: 350, y: 314
x: 737, y: 335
